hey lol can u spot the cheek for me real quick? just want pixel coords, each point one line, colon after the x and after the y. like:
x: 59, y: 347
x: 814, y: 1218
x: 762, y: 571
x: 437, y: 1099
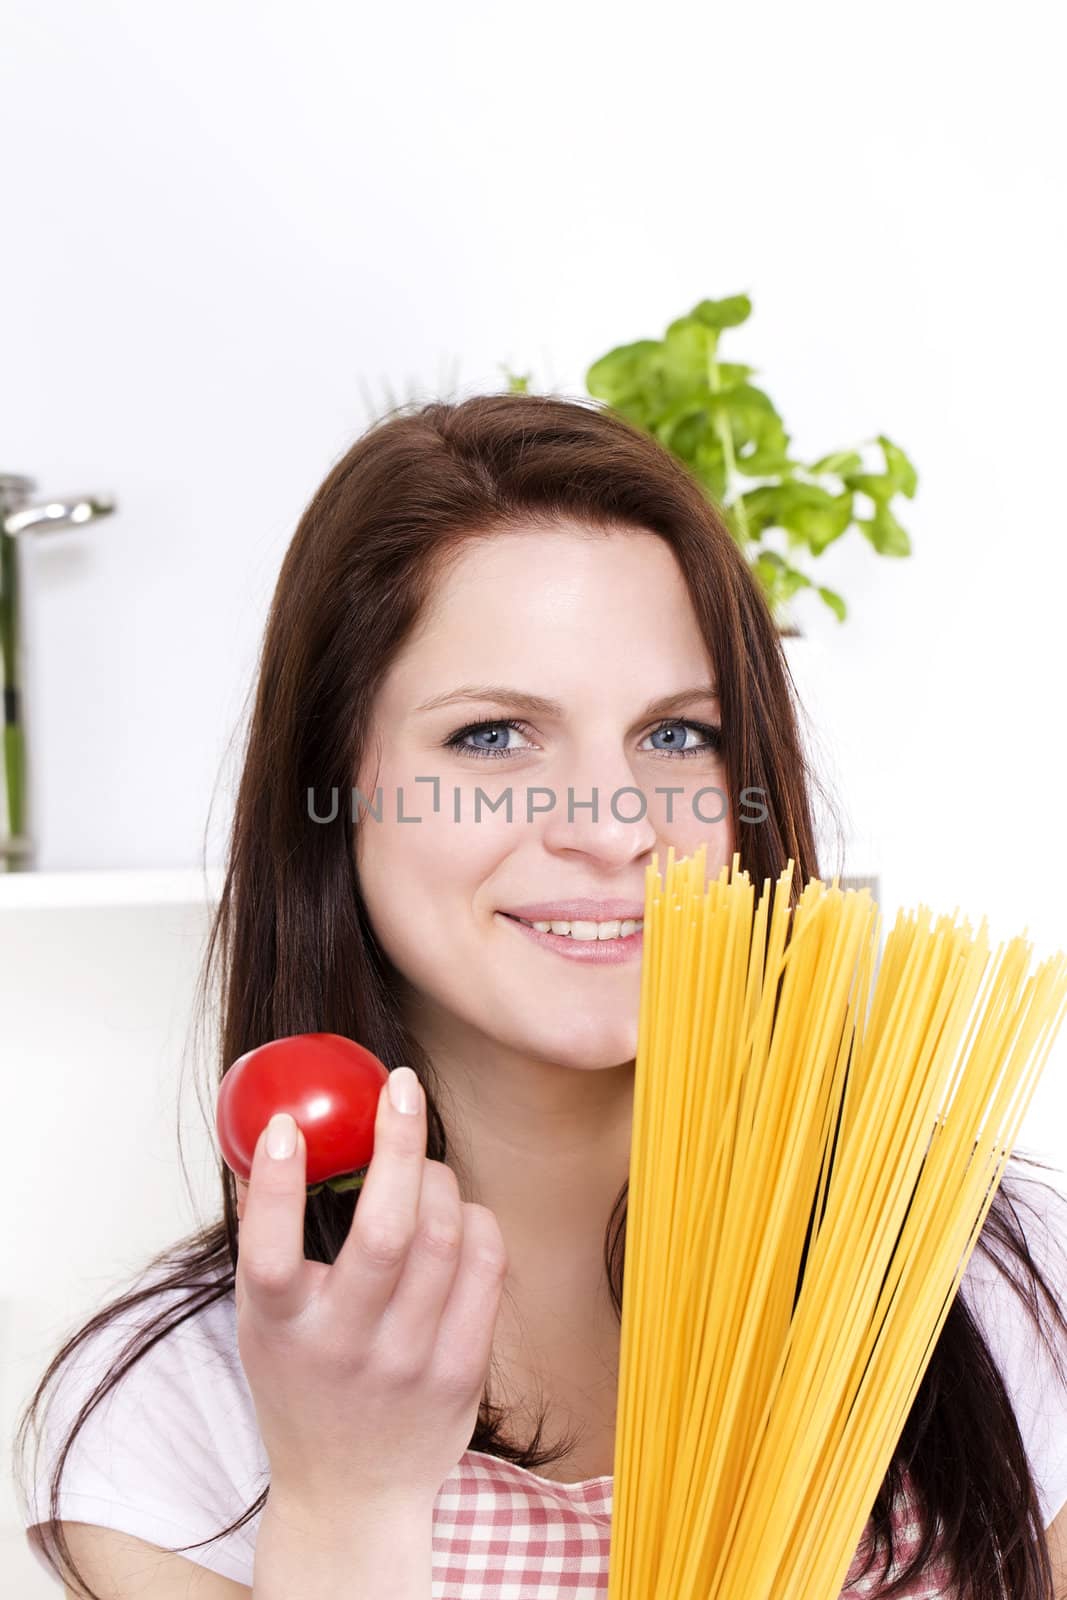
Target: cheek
x: 427, y: 883
x: 699, y: 818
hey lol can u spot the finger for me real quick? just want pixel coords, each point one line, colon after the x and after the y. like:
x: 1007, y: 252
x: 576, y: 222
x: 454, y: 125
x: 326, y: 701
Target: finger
x: 465, y: 1336
x: 270, y: 1257
x: 370, y: 1261
x: 413, y: 1315
x: 238, y: 1286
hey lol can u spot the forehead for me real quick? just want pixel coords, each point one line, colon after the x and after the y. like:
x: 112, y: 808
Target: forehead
x: 572, y: 589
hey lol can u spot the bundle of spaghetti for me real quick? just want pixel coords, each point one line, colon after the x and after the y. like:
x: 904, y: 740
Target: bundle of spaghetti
x: 811, y: 1165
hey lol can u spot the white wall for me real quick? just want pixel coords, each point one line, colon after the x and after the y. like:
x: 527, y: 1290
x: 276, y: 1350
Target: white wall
x: 100, y: 1069
x: 222, y: 222
x: 225, y: 221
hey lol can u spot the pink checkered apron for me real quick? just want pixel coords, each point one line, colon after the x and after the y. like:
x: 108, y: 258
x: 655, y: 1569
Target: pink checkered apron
x: 501, y: 1532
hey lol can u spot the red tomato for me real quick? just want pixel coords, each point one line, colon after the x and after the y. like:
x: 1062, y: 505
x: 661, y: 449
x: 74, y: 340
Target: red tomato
x: 328, y: 1083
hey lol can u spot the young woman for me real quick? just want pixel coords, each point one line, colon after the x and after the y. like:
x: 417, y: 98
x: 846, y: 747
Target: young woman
x: 526, y: 595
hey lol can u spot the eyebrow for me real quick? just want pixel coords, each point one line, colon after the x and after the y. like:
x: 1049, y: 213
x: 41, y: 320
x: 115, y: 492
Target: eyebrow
x: 537, y: 705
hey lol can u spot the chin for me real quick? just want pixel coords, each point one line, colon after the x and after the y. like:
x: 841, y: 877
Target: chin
x: 588, y: 1054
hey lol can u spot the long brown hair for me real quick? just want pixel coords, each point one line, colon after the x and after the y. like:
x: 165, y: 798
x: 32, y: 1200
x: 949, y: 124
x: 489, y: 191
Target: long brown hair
x: 291, y: 949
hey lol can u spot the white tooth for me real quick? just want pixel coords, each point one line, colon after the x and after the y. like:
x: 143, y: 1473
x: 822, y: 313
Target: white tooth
x: 588, y: 930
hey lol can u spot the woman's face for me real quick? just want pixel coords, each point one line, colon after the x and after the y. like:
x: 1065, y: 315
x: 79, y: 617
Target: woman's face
x: 602, y: 626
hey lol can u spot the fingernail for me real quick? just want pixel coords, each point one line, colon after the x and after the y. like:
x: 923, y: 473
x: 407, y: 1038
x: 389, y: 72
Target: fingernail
x: 281, y: 1135
x: 404, y: 1091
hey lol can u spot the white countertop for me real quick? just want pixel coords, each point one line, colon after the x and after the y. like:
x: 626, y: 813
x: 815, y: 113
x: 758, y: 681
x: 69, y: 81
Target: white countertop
x: 117, y: 887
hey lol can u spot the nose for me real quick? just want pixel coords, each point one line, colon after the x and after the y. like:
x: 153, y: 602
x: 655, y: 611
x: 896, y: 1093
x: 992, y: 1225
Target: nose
x: 600, y: 812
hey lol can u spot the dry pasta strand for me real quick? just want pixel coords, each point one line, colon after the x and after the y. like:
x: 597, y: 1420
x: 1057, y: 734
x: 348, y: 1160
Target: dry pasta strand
x: 818, y: 1135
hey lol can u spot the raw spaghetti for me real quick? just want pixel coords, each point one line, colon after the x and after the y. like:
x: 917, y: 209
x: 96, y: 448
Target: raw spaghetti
x: 811, y: 1164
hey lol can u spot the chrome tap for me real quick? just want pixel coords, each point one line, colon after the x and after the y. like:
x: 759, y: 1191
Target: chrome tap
x: 17, y: 518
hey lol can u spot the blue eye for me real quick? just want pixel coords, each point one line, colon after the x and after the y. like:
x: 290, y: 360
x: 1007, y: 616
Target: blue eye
x: 457, y: 740
x: 712, y: 735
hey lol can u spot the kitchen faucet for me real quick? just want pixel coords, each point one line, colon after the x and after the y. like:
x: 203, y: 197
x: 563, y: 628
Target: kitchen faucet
x: 20, y: 516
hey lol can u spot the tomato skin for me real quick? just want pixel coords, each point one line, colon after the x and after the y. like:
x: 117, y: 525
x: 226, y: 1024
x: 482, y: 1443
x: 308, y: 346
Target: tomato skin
x: 328, y: 1083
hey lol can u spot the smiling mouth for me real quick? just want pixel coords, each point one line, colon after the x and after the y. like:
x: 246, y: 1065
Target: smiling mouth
x: 588, y: 931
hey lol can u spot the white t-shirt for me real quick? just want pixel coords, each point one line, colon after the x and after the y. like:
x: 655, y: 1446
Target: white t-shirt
x: 174, y: 1453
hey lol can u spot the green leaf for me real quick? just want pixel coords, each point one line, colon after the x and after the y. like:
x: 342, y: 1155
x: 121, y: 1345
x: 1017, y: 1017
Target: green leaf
x: 687, y: 431
x: 793, y: 580
x: 719, y: 314
x: 744, y: 399
x: 707, y: 412
x: 733, y: 372
x: 351, y: 1180
x: 743, y: 534
x: 692, y: 409
x: 778, y: 578
x: 899, y: 469
x: 766, y: 575
x: 623, y: 373
x: 809, y: 514
x: 839, y: 462
x: 758, y: 433
x: 834, y: 601
x: 877, y: 484
x: 709, y: 466
x: 885, y: 533
x: 767, y: 460
x: 820, y: 524
x: 687, y: 349
x: 342, y: 1183
x: 760, y: 508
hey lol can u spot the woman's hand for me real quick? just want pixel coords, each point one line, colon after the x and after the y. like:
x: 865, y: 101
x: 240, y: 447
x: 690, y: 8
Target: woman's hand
x: 367, y: 1373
